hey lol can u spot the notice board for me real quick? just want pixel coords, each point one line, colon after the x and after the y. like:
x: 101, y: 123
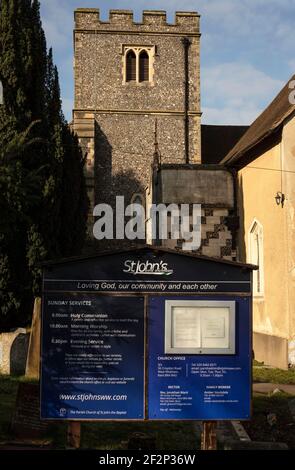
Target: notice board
x: 146, y: 334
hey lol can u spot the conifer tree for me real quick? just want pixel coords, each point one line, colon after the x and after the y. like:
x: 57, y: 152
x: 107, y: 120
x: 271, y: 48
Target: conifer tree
x: 19, y: 196
x: 44, y: 199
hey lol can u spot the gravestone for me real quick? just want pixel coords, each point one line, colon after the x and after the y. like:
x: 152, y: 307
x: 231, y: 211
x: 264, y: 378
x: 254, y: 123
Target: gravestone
x: 26, y: 423
x: 18, y: 354
x: 13, y: 352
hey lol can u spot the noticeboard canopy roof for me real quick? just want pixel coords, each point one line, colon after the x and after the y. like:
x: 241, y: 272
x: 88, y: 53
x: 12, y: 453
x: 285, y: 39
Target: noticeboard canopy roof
x: 147, y: 269
x: 142, y: 249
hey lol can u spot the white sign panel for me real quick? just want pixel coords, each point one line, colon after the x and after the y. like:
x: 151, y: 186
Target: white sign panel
x: 186, y: 328
x: 199, y: 327
x: 215, y: 327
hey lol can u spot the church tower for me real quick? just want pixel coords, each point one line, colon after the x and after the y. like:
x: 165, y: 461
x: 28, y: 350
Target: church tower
x: 130, y: 79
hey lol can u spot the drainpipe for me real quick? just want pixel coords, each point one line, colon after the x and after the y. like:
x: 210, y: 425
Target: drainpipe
x: 235, y: 218
x: 186, y: 45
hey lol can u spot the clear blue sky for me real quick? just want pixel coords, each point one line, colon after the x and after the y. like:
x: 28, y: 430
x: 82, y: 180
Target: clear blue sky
x: 247, y: 49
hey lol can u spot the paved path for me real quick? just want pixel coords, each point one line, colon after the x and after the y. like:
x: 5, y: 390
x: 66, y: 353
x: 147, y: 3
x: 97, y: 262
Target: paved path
x: 269, y: 387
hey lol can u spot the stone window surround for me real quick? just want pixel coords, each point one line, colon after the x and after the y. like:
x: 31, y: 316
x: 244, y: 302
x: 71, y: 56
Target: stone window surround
x: 137, y: 49
x: 255, y: 256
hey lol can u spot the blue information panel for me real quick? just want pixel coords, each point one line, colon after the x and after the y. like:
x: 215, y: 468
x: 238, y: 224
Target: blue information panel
x: 92, y: 357
x: 198, y: 386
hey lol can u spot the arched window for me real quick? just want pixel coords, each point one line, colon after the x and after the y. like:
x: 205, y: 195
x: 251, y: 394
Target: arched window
x: 130, y: 66
x: 143, y: 66
x: 138, y: 198
x: 138, y: 64
x: 256, y: 257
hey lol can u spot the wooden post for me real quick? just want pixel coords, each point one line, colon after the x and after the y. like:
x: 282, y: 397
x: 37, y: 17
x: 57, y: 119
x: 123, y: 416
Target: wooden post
x: 33, y: 358
x: 208, y: 438
x: 74, y: 435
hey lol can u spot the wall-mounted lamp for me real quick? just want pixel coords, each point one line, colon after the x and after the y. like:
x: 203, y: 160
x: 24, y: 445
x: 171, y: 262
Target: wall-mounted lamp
x: 280, y: 198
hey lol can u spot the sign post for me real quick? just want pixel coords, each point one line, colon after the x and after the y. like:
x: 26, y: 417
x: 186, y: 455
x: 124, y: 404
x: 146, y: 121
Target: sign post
x: 208, y: 438
x: 74, y: 434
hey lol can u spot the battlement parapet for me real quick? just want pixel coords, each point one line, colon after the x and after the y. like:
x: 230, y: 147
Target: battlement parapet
x: 152, y: 20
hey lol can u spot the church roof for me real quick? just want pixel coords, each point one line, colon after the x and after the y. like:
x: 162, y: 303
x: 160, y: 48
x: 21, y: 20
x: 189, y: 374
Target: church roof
x: 218, y: 140
x: 267, y: 123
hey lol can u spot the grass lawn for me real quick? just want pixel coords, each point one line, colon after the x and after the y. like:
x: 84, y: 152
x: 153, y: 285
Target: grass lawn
x: 282, y: 430
x: 104, y: 436
x: 263, y: 374
x: 168, y: 435
x: 8, y: 389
